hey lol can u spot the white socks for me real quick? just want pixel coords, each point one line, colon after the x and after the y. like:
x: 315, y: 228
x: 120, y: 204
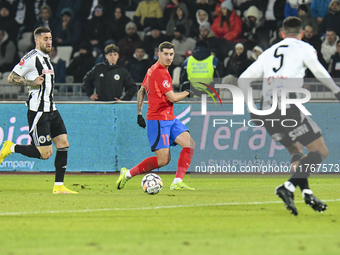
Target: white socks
x: 177, y: 180
x: 290, y: 186
x: 128, y: 175
x: 58, y: 183
x: 12, y: 148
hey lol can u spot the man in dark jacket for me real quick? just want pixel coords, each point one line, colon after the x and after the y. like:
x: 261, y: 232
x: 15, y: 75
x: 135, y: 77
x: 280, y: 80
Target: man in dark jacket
x: 109, y: 78
x: 8, y: 54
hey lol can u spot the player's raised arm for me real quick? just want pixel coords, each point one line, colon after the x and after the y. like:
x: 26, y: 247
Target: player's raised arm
x: 16, y: 79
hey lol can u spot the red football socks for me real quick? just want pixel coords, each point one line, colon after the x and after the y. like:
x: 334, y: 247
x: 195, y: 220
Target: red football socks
x: 146, y: 165
x: 184, y: 161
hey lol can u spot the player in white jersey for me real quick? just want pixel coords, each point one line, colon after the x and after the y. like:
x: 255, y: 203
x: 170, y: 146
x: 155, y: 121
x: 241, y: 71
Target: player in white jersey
x: 283, y: 66
x: 45, y: 123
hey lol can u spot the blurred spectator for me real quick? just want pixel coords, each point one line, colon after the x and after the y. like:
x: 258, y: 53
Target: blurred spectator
x: 81, y: 64
x: 182, y: 44
x: 59, y: 66
x: 188, y: 53
x: 291, y: 8
x: 332, y: 18
x: 179, y: 16
x: 201, y: 59
x: 255, y: 53
x: 319, y: 8
x: 278, y: 36
x: 219, y: 47
x: 74, y: 5
x: 306, y: 17
x: 26, y: 13
x: 314, y: 40
x: 148, y: 12
x: 95, y: 29
x: 139, y: 65
x: 196, y: 5
x: 335, y: 62
x: 273, y: 11
x: 201, y: 16
x: 170, y: 7
x: 109, y: 79
x: 129, y: 43
x: 236, y: 65
x: 68, y: 30
x: 155, y: 38
x: 328, y: 46
x: 227, y: 25
x: 8, y: 22
x: 46, y: 19
x: 254, y: 33
x: 8, y: 52
x: 117, y: 24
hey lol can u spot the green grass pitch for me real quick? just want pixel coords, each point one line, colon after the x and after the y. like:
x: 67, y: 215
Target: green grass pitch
x: 223, y: 216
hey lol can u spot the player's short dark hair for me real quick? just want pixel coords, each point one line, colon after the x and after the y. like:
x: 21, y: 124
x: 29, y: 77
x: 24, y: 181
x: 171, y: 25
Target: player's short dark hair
x: 165, y: 45
x: 292, y: 25
x: 111, y: 48
x: 41, y: 30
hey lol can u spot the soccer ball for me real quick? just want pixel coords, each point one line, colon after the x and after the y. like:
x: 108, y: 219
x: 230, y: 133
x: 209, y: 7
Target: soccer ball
x: 152, y: 184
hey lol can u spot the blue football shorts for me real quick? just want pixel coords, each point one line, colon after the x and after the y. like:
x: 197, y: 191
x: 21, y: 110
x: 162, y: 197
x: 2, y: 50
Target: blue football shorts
x: 162, y: 133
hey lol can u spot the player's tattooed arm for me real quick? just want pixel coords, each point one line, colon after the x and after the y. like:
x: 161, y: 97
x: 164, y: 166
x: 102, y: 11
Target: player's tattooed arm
x: 16, y: 79
x: 140, y: 100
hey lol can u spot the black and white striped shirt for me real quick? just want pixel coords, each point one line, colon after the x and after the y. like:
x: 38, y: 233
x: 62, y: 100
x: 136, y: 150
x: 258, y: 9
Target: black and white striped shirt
x: 32, y: 65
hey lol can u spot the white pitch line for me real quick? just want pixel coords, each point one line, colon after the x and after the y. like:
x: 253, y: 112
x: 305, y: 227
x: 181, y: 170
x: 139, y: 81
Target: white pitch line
x: 153, y: 208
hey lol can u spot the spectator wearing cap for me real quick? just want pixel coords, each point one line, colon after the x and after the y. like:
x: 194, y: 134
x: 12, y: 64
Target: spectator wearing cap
x: 139, y: 65
x: 219, y: 47
x: 109, y: 78
x: 117, y: 23
x: 81, y: 64
x: 179, y: 16
x: 253, y: 30
x: 332, y: 18
x: 8, y: 22
x: 182, y: 44
x: 147, y: 13
x: 129, y: 43
x: 306, y: 17
x: 201, y: 66
x: 236, y: 65
x: 227, y: 24
x: 154, y: 38
x: 196, y: 5
x: 95, y: 32
x: 255, y: 53
x: 74, y: 5
x: 68, y: 30
x: 201, y: 16
x: 170, y: 6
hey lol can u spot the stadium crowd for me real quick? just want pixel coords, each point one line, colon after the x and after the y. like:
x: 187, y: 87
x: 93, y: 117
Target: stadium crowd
x: 236, y: 31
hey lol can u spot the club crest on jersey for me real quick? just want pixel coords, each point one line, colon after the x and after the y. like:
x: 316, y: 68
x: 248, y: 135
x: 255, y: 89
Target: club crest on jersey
x: 48, y: 71
x: 166, y: 84
x: 22, y: 62
x: 116, y: 77
x: 42, y: 139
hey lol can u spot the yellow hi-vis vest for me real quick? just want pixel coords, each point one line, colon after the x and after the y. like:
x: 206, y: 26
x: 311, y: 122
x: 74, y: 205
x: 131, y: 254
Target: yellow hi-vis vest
x: 200, y: 71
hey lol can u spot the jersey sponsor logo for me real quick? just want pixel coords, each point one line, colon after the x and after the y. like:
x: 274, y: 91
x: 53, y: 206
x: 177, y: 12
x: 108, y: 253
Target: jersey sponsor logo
x: 299, y: 131
x: 22, y: 62
x: 48, y: 71
x: 166, y: 84
x: 116, y: 77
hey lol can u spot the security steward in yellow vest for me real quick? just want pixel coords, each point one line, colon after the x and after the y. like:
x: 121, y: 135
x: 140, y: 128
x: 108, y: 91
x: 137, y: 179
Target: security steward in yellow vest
x: 201, y: 66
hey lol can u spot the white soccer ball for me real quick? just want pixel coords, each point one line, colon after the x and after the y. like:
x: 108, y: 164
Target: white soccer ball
x: 152, y: 184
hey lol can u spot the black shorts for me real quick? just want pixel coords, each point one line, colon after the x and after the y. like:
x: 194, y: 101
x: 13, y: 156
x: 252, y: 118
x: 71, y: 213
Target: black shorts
x: 44, y: 126
x: 305, y: 132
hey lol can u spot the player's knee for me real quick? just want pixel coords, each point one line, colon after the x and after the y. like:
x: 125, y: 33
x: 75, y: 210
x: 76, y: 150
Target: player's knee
x: 46, y: 155
x: 163, y: 161
x: 324, y: 151
x: 192, y: 144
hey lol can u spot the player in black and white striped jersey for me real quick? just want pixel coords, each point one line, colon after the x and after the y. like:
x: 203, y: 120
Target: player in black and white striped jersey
x: 45, y: 123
